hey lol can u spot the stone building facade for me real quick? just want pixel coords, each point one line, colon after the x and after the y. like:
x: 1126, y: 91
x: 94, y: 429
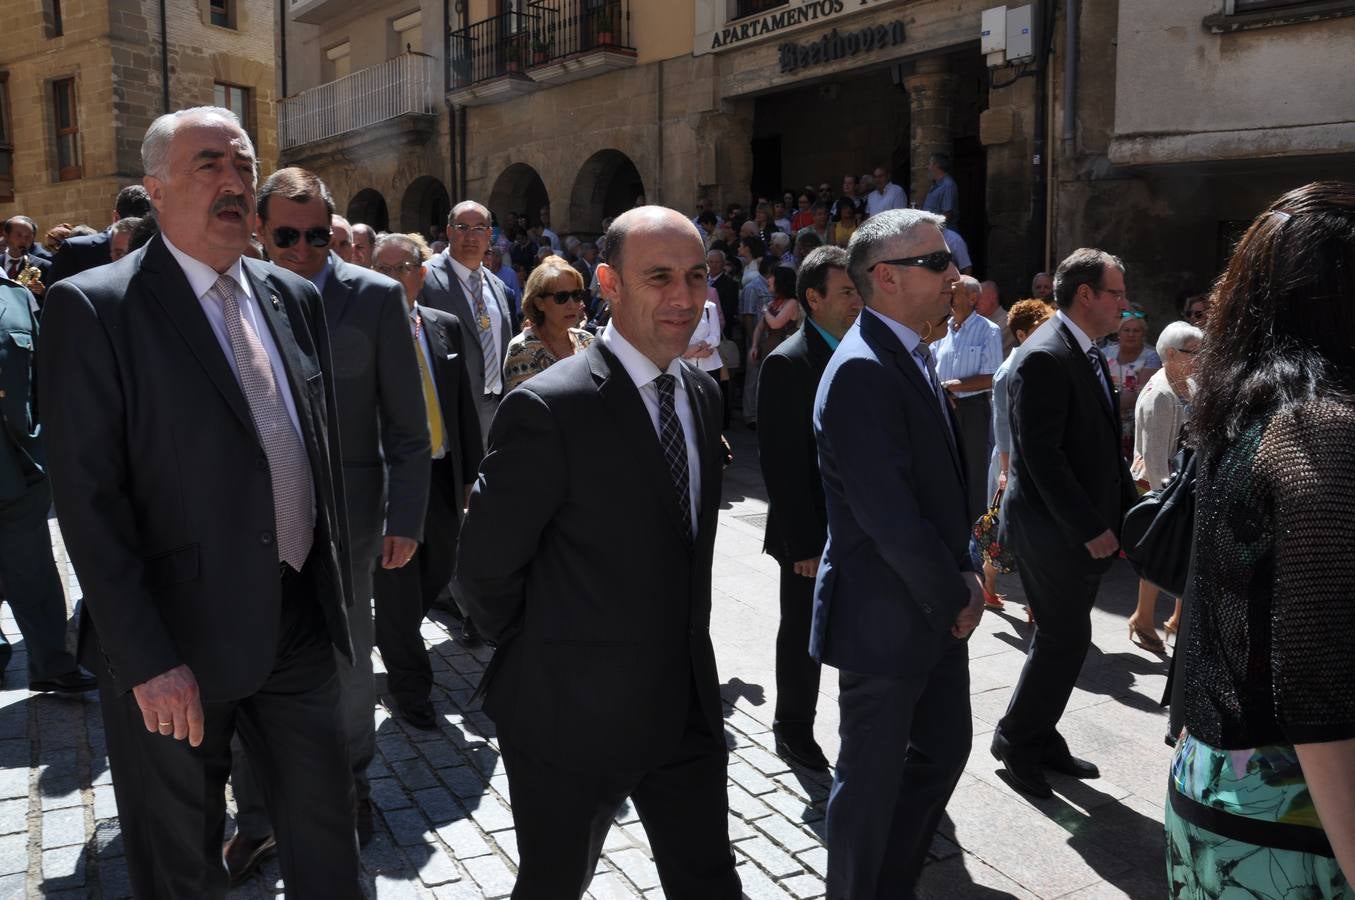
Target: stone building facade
x: 97, y: 66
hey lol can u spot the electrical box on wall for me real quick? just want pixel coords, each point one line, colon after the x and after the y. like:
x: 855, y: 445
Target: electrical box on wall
x: 993, y: 31
x: 1020, y: 44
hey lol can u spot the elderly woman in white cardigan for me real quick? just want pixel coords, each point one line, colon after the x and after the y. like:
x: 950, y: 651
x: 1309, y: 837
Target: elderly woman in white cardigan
x: 1159, y: 416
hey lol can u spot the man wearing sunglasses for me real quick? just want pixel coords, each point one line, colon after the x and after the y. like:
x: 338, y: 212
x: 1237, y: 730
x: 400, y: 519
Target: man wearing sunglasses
x: 1068, y: 490
x: 896, y: 594
x: 459, y: 283
x: 384, y: 446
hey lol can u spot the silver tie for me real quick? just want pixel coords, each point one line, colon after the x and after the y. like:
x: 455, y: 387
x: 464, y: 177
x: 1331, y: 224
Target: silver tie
x: 288, y: 468
x: 485, y: 328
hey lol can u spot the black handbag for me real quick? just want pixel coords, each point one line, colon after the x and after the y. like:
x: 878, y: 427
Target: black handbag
x: 1159, y: 529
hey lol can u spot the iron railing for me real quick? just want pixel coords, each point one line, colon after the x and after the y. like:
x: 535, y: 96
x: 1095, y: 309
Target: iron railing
x: 510, y: 43
x: 744, y: 8
x: 409, y: 84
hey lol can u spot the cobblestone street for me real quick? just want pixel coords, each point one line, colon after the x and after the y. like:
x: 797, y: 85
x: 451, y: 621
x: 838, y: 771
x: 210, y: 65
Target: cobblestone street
x: 444, y: 826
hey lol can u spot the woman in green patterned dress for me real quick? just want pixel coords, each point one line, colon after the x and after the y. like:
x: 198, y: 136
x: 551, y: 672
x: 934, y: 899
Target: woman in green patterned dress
x: 1261, y: 798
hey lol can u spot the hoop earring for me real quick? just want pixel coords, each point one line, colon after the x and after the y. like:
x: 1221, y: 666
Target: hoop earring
x: 926, y: 337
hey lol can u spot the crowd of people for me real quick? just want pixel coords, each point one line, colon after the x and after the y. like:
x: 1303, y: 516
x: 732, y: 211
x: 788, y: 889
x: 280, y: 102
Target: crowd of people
x: 276, y: 440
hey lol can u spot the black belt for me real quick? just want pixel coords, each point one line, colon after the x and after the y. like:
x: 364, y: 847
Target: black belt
x: 1275, y: 835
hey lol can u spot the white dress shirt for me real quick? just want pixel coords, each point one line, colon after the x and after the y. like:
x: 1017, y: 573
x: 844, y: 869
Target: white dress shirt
x: 201, y: 278
x: 891, y: 196
x: 708, y: 331
x: 552, y: 238
x: 643, y: 372
x: 462, y: 275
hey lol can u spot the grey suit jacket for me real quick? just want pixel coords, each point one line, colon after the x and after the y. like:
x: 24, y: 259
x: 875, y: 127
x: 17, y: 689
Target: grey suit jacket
x: 442, y: 290
x: 383, y: 431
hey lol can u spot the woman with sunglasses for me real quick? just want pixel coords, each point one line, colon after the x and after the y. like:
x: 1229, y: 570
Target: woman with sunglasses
x: 555, y: 303
x: 1132, y: 362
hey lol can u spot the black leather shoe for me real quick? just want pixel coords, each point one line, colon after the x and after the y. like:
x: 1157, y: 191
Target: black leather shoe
x: 1026, y: 778
x: 420, y: 715
x: 1071, y: 766
x: 242, y: 854
x: 801, y: 749
x: 364, y: 822
x: 75, y: 682
x: 470, y: 635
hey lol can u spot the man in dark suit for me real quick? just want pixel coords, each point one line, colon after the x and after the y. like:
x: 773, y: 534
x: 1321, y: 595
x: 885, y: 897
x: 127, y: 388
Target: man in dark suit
x: 20, y: 233
x: 383, y: 438
x: 88, y: 251
x: 1068, y: 490
x: 797, y: 522
x: 896, y: 593
x: 26, y: 565
x: 458, y: 282
x: 602, y: 689
x: 404, y: 595
x: 187, y: 407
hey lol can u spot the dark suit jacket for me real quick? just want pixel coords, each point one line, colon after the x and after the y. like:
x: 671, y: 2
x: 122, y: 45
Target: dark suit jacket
x: 727, y: 289
x: 80, y: 253
x: 160, y: 480
x: 383, y: 431
x: 889, y: 587
x: 600, y: 606
x: 446, y: 341
x: 1068, y: 481
x: 797, y: 518
x: 442, y: 290
x: 20, y: 454
x: 42, y: 263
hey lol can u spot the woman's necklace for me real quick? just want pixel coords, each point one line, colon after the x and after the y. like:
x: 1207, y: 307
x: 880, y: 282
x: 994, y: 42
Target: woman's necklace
x: 554, y: 349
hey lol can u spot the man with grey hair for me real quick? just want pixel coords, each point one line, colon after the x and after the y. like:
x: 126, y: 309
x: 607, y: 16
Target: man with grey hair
x: 187, y: 407
x: 896, y: 593
x: 780, y: 248
x: 342, y: 241
x: 364, y: 240
x: 1042, y: 287
x: 966, y: 358
x: 990, y: 307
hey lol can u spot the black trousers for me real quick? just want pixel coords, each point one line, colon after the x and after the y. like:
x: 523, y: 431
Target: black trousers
x: 562, y: 818
x: 904, y: 745
x: 1060, y: 589
x: 32, y: 584
x: 975, y: 418
x: 405, y: 595
x: 797, y: 673
x: 171, y: 797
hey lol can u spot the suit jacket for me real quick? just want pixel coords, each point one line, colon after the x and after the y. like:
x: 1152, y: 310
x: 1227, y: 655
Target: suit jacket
x: 383, y: 430
x: 42, y: 263
x: 161, y: 483
x: 599, y: 604
x: 80, y: 253
x: 889, y: 587
x: 442, y: 290
x: 797, y: 518
x: 446, y: 341
x: 1068, y: 481
x: 727, y: 289
x: 20, y: 454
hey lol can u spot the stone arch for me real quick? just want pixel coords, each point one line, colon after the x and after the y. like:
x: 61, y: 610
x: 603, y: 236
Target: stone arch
x: 519, y: 188
x: 608, y: 184
x: 425, y: 205
x: 369, y: 207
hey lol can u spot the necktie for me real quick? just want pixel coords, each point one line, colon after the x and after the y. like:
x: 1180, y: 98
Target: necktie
x: 485, y: 329
x: 437, y: 436
x: 1098, y: 361
x: 288, y: 468
x: 674, y: 442
x: 14, y: 265
x: 922, y: 352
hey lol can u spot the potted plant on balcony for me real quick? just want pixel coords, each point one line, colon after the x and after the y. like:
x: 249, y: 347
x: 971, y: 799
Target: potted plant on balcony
x: 513, y: 57
x: 541, y: 49
x: 606, y: 26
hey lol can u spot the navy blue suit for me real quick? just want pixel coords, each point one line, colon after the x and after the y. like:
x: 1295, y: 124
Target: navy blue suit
x: 888, y: 591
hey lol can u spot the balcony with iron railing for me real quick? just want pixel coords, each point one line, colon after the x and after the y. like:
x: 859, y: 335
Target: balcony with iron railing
x: 405, y: 90
x: 555, y: 42
x: 740, y: 9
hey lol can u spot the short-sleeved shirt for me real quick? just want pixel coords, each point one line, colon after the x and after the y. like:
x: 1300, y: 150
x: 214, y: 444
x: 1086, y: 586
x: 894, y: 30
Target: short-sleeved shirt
x: 754, y: 297
x: 958, y: 249
x: 974, y: 349
x: 892, y: 197
x: 944, y: 195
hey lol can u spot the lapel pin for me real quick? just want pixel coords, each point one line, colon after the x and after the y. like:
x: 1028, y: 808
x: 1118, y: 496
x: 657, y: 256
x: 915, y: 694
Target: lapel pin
x: 277, y: 304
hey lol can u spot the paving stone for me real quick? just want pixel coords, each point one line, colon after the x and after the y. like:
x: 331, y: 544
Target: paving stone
x: 804, y: 886
x: 617, y: 839
x: 64, y: 867
x: 388, y: 888
x: 757, y: 886
x: 636, y: 866
x: 786, y: 834
x: 441, y: 755
x: 105, y: 802
x: 751, y: 780
x: 610, y: 886
x: 490, y: 814
x: 436, y: 866
x: 965, y: 876
x: 460, y: 890
x: 463, y: 781
x: 764, y: 762
x: 438, y: 805
x: 414, y: 774
x: 464, y: 838
x: 745, y: 804
x: 739, y: 829
x: 626, y: 814
x: 508, y: 843
x: 777, y: 862
x: 815, y: 860
x: 14, y: 783
x: 114, y: 880
x: 63, y: 827
x: 107, y: 840
x: 407, y: 826
x: 387, y: 793
x: 792, y: 807
x: 14, y: 887
x: 394, y: 747
x: 492, y: 874
x: 13, y: 854
x: 13, y: 816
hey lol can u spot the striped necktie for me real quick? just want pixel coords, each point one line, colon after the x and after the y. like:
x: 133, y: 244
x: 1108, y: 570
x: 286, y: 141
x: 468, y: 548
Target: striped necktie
x: 485, y: 329
x: 674, y: 442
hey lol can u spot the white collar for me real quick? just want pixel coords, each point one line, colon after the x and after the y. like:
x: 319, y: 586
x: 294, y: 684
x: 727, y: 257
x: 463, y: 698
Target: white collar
x: 907, y: 336
x: 1079, y: 335
x: 202, y: 277
x: 461, y: 271
x: 639, y: 367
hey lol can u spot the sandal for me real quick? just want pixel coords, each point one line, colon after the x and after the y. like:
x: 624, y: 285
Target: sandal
x: 1146, y: 639
x: 1170, y: 627
x: 994, y: 601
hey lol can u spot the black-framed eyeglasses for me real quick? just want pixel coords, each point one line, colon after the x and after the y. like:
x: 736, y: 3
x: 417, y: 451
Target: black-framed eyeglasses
x: 396, y: 271
x: 477, y: 230
x: 937, y: 261
x: 285, y: 236
x: 563, y: 297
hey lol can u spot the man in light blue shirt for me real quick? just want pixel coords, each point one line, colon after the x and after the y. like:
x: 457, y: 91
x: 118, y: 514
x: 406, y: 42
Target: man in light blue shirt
x: 944, y: 196
x: 966, y: 359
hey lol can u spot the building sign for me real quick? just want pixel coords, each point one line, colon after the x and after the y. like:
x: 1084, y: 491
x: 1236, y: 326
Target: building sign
x: 833, y: 46
x: 723, y: 37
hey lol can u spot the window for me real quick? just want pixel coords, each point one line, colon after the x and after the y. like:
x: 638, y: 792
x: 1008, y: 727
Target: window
x: 221, y: 12
x: 6, y: 144
x: 54, y: 28
x: 236, y: 99
x: 338, y: 61
x: 67, y: 130
x: 1244, y: 15
x: 1253, y: 5
x: 408, y: 32
x: 742, y: 8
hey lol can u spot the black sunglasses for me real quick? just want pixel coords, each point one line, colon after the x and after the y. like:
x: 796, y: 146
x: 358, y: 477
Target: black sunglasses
x: 563, y: 297
x: 938, y: 261
x: 317, y: 237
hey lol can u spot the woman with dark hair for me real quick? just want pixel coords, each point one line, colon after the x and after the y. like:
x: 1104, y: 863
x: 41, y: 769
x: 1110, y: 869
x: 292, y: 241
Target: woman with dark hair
x: 780, y: 316
x: 554, y: 301
x: 1262, y: 787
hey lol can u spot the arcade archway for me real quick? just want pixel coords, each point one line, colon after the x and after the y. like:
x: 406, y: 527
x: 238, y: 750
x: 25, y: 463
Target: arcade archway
x: 425, y: 206
x: 369, y: 208
x: 607, y: 185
